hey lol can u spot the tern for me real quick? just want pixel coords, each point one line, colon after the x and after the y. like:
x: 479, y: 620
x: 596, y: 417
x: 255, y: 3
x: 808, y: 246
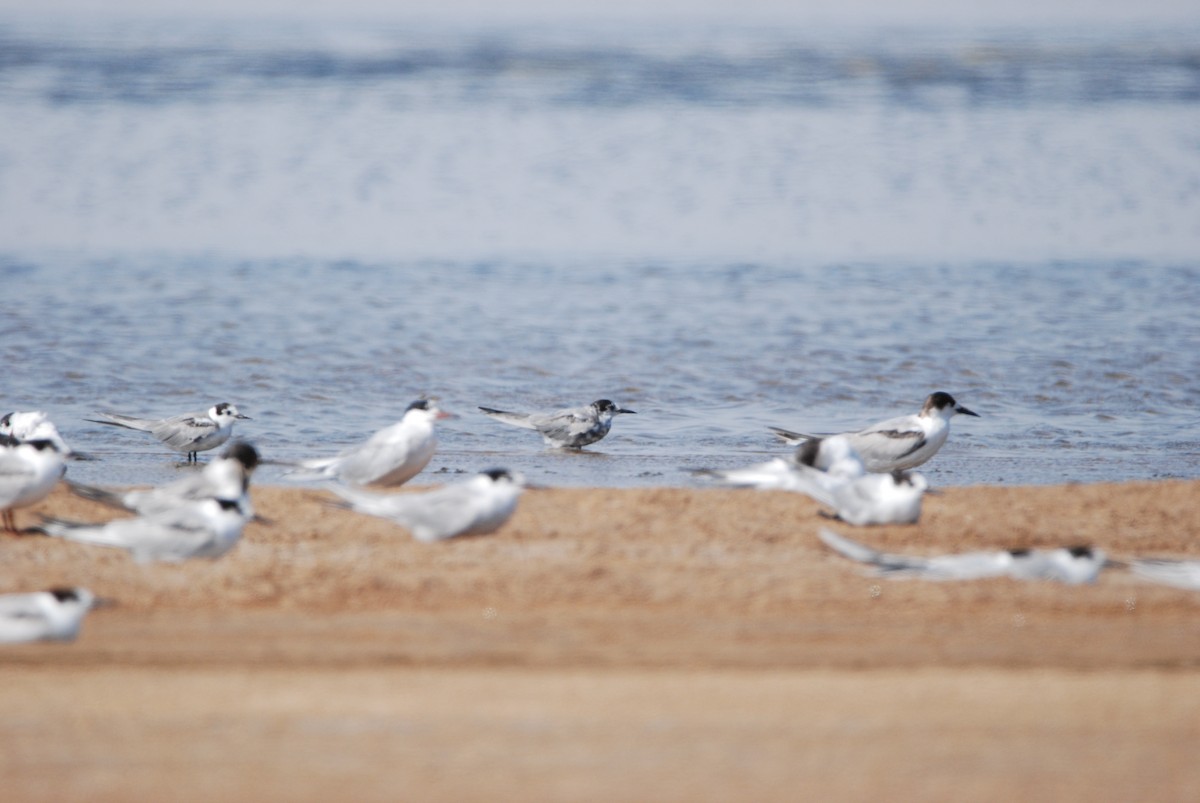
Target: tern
x: 189, y: 433
x: 478, y: 506
x: 569, y: 428
x: 227, y: 477
x: 899, y: 443
x: 205, y: 528
x: 29, y: 470
x: 52, y: 615
x: 392, y: 456
x: 1071, y: 565
x: 35, y: 425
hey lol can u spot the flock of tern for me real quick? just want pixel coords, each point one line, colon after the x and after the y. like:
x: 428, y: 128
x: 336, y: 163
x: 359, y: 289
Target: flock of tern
x: 864, y: 477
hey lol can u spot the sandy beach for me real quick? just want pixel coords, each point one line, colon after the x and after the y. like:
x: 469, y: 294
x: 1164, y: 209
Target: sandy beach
x: 665, y: 644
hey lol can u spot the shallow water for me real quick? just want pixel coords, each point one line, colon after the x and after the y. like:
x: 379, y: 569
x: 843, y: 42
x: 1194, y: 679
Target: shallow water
x: 721, y: 229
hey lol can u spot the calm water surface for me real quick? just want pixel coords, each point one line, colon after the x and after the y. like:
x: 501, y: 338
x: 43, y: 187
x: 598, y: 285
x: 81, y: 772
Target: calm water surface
x: 721, y: 229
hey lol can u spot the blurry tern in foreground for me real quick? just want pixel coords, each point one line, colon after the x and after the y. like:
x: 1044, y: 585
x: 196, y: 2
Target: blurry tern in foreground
x: 478, y: 506
x: 227, y: 477
x: 392, y: 456
x: 899, y: 443
x: 29, y: 470
x: 569, y: 428
x: 36, y: 425
x: 1071, y: 565
x: 829, y: 461
x: 859, y: 498
x: 189, y: 433
x: 1178, y: 573
x: 205, y: 528
x: 51, y: 615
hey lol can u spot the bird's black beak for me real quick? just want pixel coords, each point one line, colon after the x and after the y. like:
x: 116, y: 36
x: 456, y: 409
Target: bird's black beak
x: 964, y: 411
x: 82, y: 456
x: 243, y: 417
x: 622, y: 410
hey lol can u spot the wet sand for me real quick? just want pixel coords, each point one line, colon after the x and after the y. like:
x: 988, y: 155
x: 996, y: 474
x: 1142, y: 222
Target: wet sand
x: 666, y: 644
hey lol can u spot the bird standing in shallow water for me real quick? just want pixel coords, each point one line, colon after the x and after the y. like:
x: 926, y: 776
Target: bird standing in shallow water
x: 392, y: 456
x: 189, y: 433
x: 898, y: 443
x: 568, y: 428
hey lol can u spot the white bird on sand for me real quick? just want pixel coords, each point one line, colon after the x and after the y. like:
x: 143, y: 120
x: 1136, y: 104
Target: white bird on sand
x: 29, y: 470
x: 189, y: 433
x: 568, y: 428
x: 227, y: 477
x: 478, y: 506
x: 392, y: 456
x: 899, y: 443
x: 205, y: 528
x: 1072, y: 565
x: 52, y: 615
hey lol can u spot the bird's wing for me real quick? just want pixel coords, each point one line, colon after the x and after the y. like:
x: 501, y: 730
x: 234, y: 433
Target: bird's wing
x: 13, y: 467
x: 16, y: 476
x: 182, y: 431
x: 380, y: 455
x: 445, y: 512
x: 1178, y: 573
x: 386, y: 506
x: 884, y: 561
x: 888, y: 441
x: 176, y: 531
x: 441, y: 512
x: 966, y: 566
x: 564, y: 425
x: 771, y: 475
x: 113, y: 499
x: 21, y: 606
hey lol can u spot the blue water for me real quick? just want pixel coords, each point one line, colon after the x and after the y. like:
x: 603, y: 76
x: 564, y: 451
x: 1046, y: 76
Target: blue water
x: 721, y: 228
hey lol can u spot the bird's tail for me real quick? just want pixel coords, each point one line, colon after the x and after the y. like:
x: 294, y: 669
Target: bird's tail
x: 847, y: 548
x: 77, y: 531
x: 118, y: 420
x: 885, y: 563
x: 321, y: 468
x: 791, y: 438
x: 101, y: 495
x: 516, y: 419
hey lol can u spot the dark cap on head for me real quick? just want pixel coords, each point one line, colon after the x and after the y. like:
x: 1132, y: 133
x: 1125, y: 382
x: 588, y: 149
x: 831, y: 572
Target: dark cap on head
x: 244, y: 453
x: 606, y: 406
x: 497, y: 473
